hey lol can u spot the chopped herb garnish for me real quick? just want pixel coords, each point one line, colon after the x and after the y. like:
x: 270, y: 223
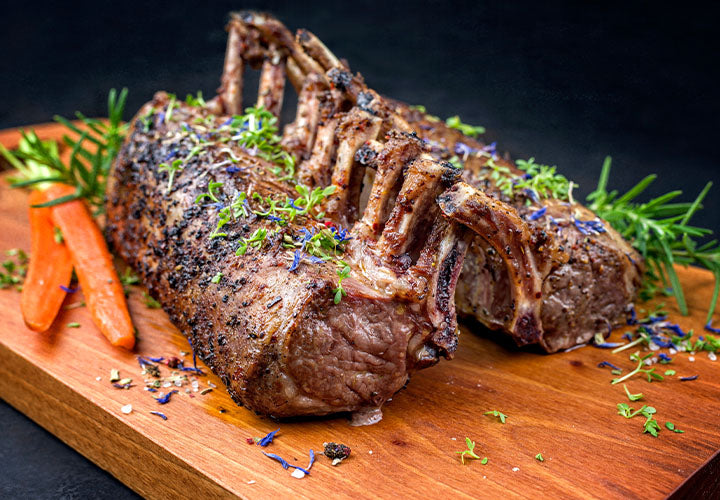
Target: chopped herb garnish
x: 633, y: 397
x: 171, y: 169
x: 464, y: 128
x: 672, y: 427
x: 539, y: 457
x: 501, y: 416
x: 649, y: 372
x: 254, y: 241
x: 73, y: 325
x: 484, y: 461
x: 196, y: 101
x: 150, y: 302
x: 470, y: 452
x: 216, y: 279
x: 670, y: 373
x: 340, y: 291
x: 161, y: 415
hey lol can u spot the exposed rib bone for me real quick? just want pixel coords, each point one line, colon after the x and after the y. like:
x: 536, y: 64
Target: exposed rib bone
x: 424, y: 181
x: 273, y: 30
x: 357, y: 127
x: 389, y: 162
x: 272, y: 83
x: 299, y: 135
x: 231, y: 82
x: 500, y: 225
x: 318, y: 51
x: 295, y: 75
x: 314, y: 171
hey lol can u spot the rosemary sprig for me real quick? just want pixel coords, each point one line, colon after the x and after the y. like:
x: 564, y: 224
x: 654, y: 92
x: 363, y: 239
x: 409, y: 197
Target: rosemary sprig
x: 92, y: 153
x: 660, y: 232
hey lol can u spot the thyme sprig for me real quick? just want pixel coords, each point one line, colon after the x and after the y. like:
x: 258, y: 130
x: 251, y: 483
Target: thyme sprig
x: 659, y: 230
x: 649, y: 372
x: 539, y: 181
x: 92, y: 153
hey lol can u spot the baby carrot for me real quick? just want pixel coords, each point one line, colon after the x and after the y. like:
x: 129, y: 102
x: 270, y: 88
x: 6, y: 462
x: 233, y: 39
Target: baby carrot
x: 94, y: 267
x: 49, y: 269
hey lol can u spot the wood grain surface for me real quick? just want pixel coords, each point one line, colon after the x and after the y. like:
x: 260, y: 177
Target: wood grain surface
x: 560, y: 405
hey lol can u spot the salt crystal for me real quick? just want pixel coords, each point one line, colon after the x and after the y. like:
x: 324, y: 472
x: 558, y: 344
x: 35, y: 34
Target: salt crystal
x: 298, y: 474
x: 252, y: 481
x: 98, y: 379
x: 672, y: 351
x: 515, y: 469
x: 648, y: 362
x: 167, y: 384
x: 195, y: 385
x: 178, y: 383
x: 692, y: 353
x: 370, y: 452
x: 654, y: 347
x: 127, y: 409
x: 691, y: 358
x: 212, y: 385
x: 712, y: 356
x: 454, y: 439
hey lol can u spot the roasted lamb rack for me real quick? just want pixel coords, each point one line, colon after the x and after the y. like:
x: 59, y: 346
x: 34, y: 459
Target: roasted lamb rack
x: 543, y: 269
x: 257, y: 306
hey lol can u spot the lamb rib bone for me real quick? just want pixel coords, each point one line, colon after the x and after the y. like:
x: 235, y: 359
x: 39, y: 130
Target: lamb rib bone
x: 579, y: 275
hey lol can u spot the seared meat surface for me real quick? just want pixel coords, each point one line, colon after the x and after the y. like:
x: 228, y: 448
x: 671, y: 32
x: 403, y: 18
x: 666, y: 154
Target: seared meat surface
x: 269, y: 326
x: 586, y: 273
x: 544, y: 270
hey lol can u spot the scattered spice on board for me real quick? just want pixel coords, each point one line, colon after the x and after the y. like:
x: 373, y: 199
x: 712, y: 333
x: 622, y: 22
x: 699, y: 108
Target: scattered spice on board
x: 161, y: 415
x: 336, y: 452
x: 264, y: 441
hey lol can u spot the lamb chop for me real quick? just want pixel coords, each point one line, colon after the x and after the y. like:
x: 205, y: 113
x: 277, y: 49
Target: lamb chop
x: 295, y: 318
x: 540, y: 268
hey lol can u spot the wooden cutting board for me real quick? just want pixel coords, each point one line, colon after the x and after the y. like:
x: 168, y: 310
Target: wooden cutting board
x: 560, y: 405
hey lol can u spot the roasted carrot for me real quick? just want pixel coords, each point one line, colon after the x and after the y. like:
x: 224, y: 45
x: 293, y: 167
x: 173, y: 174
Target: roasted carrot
x: 94, y: 267
x: 49, y: 269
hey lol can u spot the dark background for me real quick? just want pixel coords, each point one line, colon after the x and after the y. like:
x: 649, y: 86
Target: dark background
x: 565, y: 83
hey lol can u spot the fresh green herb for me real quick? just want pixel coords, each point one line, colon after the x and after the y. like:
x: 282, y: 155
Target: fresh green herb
x: 15, y: 269
x: 92, y: 154
x: 651, y: 426
x: 171, y: 105
x: 340, y: 291
x: 216, y: 279
x: 308, y: 200
x: 670, y: 373
x: 470, y: 452
x: 150, y: 302
x: 469, y: 130
x: 543, y: 180
x: 257, y: 130
x: 455, y: 162
x: 212, y: 194
x: 254, y: 241
x: 171, y: 169
x: 484, y: 461
x: 73, y: 325
x: 649, y: 372
x: 659, y: 231
x: 643, y: 338
x: 497, y: 414
x: 196, y: 101
x: 633, y: 397
x: 539, y: 457
x: 672, y: 427
x: 57, y: 235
